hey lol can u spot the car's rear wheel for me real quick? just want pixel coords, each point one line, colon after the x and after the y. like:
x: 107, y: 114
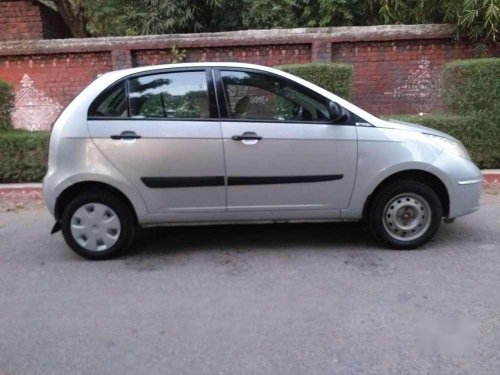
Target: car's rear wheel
x: 98, y: 225
x: 405, y: 214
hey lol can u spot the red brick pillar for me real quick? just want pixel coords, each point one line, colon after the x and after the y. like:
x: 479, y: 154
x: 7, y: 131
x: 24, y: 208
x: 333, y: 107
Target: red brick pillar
x: 321, y: 51
x: 121, y: 59
x: 20, y: 19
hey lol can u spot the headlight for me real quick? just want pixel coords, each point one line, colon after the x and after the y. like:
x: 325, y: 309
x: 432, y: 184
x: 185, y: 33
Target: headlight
x: 449, y: 145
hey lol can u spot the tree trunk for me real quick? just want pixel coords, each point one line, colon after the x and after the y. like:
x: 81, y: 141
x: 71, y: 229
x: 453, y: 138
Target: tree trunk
x: 73, y: 14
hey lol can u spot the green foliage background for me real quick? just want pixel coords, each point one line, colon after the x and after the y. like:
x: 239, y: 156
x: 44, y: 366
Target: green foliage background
x: 480, y: 133
x: 477, y: 19
x: 336, y: 78
x: 472, y: 94
x: 6, y: 104
x: 23, y: 156
x: 473, y: 85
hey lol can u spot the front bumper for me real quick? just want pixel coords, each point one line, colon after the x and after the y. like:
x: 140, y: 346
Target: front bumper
x: 464, y: 182
x: 466, y: 197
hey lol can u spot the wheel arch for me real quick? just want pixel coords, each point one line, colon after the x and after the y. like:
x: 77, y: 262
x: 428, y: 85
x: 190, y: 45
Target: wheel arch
x: 428, y: 178
x: 85, y: 186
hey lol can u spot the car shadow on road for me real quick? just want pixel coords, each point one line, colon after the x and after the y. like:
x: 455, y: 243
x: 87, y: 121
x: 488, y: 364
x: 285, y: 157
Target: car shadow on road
x: 251, y: 237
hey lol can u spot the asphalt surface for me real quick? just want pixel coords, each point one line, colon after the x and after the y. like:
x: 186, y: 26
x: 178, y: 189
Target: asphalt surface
x: 274, y: 299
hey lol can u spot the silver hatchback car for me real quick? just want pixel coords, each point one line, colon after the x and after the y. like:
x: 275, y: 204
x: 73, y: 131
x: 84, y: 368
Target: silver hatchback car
x: 229, y: 142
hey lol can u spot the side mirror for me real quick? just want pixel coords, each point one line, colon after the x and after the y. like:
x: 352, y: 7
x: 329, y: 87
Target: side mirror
x: 337, y: 113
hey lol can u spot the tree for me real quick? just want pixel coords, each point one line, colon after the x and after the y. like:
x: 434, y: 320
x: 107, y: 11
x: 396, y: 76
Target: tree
x: 477, y: 19
x: 73, y: 13
x: 143, y: 17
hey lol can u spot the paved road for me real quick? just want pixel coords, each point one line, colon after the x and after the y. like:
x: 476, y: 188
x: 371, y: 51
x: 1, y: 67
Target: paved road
x: 277, y: 299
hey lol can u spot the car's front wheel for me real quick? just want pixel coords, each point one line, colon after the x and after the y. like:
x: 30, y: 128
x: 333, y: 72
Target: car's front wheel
x: 97, y: 225
x: 405, y: 214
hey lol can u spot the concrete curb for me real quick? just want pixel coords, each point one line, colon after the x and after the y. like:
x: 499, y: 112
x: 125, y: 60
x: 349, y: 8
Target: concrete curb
x: 20, y: 192
x: 491, y: 179
x: 23, y: 192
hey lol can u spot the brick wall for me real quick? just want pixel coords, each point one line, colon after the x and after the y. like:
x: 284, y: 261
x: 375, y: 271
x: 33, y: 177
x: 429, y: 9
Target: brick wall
x: 399, y: 76
x: 20, y: 20
x: 61, y: 76
x: 45, y: 83
x: 264, y: 55
x: 29, y: 19
x: 397, y: 69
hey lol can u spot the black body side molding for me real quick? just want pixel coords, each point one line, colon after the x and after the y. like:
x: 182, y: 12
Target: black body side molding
x: 180, y: 182
x: 281, y: 179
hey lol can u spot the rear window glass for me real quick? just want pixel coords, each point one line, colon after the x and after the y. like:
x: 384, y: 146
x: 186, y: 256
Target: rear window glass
x: 169, y: 95
x: 112, y: 103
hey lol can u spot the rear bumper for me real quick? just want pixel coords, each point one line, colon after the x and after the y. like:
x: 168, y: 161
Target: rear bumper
x: 53, y: 186
x: 50, y: 198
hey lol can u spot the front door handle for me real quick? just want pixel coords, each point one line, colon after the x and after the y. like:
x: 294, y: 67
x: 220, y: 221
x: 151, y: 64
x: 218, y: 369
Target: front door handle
x: 246, y: 136
x: 126, y: 135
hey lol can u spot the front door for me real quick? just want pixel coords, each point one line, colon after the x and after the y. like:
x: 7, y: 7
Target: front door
x: 282, y: 151
x: 161, y: 132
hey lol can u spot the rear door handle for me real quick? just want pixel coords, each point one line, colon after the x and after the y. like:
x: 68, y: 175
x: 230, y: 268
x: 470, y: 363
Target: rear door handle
x: 246, y: 136
x: 126, y: 135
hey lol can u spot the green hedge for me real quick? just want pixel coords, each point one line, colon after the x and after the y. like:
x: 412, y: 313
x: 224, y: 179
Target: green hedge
x: 472, y: 85
x: 480, y: 133
x: 23, y: 156
x: 471, y: 90
x: 336, y: 78
x: 6, y: 104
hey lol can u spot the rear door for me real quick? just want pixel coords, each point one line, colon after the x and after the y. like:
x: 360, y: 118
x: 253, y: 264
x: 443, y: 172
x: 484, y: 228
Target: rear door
x: 282, y: 151
x: 161, y: 130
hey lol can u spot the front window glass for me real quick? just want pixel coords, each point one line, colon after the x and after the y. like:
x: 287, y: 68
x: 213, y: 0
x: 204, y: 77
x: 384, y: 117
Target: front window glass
x: 169, y: 95
x: 258, y: 96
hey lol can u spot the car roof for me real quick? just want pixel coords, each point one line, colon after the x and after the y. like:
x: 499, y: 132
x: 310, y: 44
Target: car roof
x: 125, y: 72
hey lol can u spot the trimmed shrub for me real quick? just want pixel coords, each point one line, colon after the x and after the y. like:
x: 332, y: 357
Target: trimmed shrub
x: 336, y: 78
x: 23, y: 156
x: 6, y: 104
x: 480, y: 133
x: 472, y: 85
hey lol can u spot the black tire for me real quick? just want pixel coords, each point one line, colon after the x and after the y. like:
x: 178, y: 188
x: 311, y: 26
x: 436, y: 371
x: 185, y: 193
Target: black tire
x: 387, y: 194
x: 123, y: 212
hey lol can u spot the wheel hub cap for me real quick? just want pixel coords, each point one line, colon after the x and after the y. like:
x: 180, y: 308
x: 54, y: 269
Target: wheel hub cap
x: 407, y: 216
x: 95, y: 227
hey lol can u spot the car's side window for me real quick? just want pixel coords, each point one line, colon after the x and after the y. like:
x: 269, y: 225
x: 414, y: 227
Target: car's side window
x: 169, y: 95
x: 112, y: 104
x: 256, y: 96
